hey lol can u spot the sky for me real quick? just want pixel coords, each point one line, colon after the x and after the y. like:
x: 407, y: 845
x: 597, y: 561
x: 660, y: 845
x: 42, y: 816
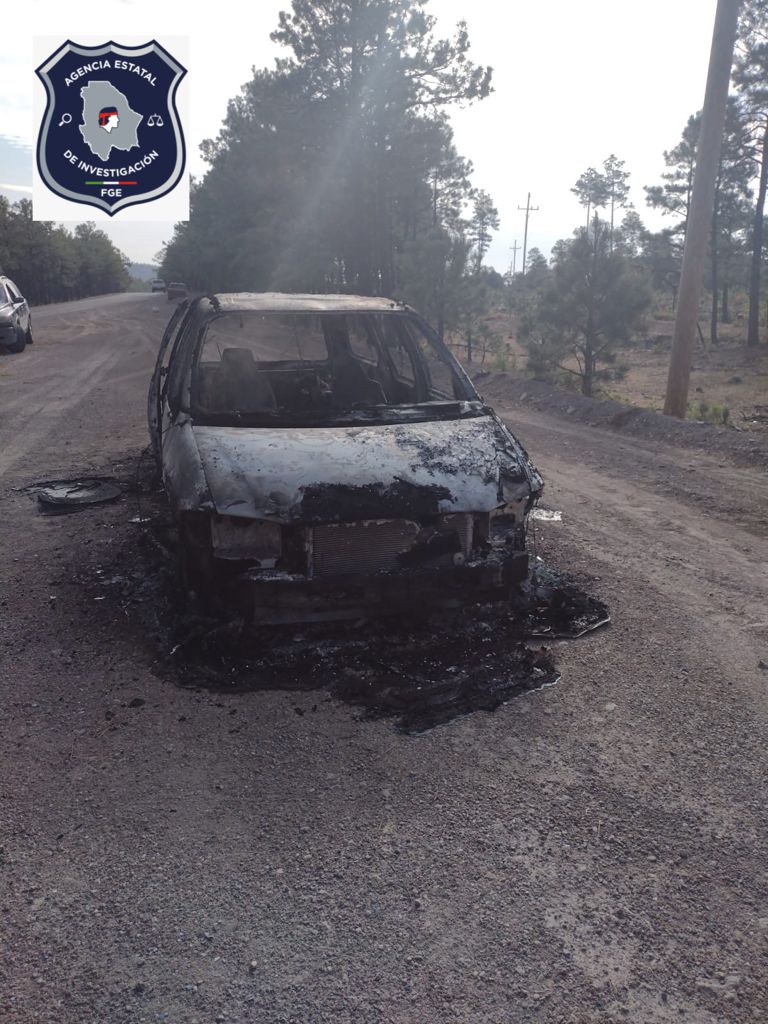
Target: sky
x: 573, y: 83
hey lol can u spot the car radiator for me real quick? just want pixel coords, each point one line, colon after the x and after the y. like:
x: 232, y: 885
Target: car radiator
x: 373, y: 545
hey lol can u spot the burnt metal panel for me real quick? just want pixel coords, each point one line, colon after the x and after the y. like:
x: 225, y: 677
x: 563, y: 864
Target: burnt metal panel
x: 284, y: 302
x: 342, y: 549
x: 327, y: 474
x: 237, y: 538
x: 183, y: 472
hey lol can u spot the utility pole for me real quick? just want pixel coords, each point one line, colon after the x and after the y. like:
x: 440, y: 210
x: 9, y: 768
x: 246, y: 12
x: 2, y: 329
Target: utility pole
x: 515, y: 249
x: 702, y: 205
x: 528, y: 211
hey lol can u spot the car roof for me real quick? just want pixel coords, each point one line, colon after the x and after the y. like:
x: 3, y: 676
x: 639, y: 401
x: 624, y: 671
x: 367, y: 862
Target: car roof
x: 290, y: 302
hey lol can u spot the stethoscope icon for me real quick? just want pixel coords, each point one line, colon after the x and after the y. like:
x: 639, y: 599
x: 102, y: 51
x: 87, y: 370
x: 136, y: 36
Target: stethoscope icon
x: 65, y: 119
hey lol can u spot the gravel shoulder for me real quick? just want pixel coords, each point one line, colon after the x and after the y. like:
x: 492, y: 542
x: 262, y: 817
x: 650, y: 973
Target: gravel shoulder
x: 593, y: 852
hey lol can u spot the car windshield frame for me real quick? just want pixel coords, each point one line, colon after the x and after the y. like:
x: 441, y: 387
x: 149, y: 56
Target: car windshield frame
x: 466, y: 404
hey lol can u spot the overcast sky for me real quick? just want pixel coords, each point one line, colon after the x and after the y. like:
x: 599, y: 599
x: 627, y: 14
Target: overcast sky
x: 573, y: 83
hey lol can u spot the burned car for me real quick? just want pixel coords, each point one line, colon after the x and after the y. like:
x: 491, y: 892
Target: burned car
x: 326, y: 457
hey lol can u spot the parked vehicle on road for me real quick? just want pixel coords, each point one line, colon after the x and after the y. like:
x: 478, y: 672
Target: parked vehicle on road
x: 176, y: 290
x: 326, y: 457
x: 15, y: 317
x: 158, y: 285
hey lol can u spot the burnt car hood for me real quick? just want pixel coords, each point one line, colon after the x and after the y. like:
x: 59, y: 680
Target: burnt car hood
x: 326, y: 474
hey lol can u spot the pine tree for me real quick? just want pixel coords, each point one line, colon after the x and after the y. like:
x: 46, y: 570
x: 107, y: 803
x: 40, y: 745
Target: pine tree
x: 329, y: 166
x: 595, y: 299
x: 591, y: 191
x: 616, y: 186
x: 630, y: 236
x: 485, y: 220
x: 751, y: 78
x: 731, y: 194
x: 674, y: 196
x: 730, y: 213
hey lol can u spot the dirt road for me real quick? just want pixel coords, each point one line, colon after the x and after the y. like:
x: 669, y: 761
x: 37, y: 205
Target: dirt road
x: 593, y: 852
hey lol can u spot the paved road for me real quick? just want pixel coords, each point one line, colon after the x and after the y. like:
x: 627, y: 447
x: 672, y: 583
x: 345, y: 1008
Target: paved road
x: 595, y: 852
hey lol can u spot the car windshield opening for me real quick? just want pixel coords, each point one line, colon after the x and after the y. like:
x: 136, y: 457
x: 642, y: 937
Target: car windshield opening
x: 295, y: 367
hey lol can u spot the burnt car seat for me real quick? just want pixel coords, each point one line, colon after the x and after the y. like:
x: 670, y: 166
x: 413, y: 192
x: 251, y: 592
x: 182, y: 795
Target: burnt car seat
x: 241, y: 385
x: 351, y: 383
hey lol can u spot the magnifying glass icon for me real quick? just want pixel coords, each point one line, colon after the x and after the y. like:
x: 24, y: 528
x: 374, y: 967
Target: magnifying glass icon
x: 65, y: 119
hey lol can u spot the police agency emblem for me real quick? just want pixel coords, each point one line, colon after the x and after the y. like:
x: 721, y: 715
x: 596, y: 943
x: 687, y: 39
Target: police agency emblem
x: 111, y: 135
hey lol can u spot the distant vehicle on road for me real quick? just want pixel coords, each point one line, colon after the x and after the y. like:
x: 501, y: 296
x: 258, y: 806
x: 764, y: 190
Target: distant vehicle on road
x: 177, y: 290
x: 15, y: 318
x: 158, y: 285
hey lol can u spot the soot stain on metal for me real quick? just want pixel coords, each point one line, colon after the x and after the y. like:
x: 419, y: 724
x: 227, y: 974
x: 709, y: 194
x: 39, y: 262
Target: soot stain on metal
x: 373, y: 500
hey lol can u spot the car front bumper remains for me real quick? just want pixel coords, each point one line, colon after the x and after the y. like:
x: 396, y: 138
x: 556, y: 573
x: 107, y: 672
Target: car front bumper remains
x: 271, y: 598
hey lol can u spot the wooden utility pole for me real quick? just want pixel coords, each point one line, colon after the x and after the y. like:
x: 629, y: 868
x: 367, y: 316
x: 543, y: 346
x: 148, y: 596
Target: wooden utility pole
x: 515, y: 250
x: 528, y: 211
x: 702, y: 205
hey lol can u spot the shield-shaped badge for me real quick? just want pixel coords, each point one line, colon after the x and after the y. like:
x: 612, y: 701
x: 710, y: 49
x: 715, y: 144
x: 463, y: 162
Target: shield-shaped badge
x: 111, y: 135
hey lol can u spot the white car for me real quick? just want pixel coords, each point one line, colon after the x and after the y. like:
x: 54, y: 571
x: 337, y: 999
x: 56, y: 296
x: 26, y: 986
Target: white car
x: 15, y: 318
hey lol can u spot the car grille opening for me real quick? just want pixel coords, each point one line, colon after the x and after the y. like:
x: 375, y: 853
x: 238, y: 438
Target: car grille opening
x: 345, y: 549
x: 373, y: 546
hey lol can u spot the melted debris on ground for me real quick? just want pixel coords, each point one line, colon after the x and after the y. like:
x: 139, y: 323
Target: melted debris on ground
x: 421, y: 677
x: 421, y: 674
x: 56, y: 497
x: 555, y: 607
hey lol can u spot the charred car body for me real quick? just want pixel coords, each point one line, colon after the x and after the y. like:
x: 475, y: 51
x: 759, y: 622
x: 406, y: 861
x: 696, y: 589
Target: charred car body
x: 325, y: 456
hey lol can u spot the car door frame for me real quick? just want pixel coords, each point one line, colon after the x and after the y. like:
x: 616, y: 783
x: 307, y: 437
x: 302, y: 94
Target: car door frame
x: 158, y: 383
